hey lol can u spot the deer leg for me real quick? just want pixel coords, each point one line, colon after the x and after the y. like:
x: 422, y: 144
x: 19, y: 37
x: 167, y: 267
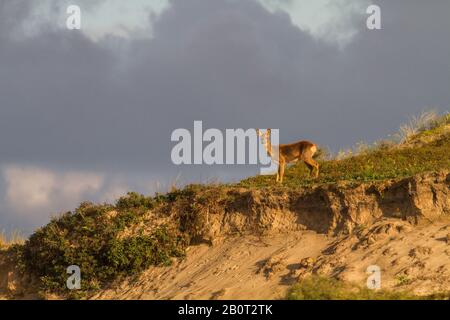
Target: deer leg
x: 281, y: 171
x: 313, y: 165
x: 316, y: 166
x: 310, y: 167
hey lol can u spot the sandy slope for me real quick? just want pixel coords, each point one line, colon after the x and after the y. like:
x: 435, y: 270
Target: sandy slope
x: 413, y: 258
x: 416, y: 258
x: 401, y: 225
x: 233, y: 269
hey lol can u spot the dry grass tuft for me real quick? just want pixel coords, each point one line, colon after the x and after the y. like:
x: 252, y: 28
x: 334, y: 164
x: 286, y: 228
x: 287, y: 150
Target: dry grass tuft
x: 426, y: 120
x: 15, y: 237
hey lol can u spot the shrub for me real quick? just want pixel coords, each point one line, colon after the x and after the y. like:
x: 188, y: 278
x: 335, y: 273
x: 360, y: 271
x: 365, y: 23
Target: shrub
x: 134, y: 200
x: 89, y: 238
x: 134, y: 254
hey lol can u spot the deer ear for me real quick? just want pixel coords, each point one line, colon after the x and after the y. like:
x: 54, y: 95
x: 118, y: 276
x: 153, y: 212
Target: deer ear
x: 269, y: 131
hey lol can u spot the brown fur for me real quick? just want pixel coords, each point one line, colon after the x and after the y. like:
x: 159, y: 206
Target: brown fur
x: 301, y: 150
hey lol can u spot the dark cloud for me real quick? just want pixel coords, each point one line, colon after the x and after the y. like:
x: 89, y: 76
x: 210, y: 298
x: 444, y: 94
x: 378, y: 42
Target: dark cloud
x: 68, y: 102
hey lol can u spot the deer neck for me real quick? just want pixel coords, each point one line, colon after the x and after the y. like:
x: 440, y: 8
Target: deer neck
x: 268, y: 146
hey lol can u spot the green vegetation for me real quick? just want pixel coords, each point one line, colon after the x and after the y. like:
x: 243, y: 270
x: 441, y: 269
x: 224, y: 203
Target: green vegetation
x: 382, y: 161
x: 109, y: 242
x: 136, y: 201
x: 402, y: 280
x: 94, y: 238
x: 323, y: 288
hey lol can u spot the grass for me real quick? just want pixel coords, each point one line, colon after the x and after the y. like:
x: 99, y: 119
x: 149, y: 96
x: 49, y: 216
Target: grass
x: 15, y: 237
x: 323, y: 288
x: 385, y: 161
x: 425, y: 121
x: 109, y: 242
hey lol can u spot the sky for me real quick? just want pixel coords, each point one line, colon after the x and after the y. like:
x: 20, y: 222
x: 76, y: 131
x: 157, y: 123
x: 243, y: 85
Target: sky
x: 87, y: 115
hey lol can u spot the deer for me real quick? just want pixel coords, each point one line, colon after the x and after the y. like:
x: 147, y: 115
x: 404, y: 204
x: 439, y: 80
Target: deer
x: 289, y: 153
